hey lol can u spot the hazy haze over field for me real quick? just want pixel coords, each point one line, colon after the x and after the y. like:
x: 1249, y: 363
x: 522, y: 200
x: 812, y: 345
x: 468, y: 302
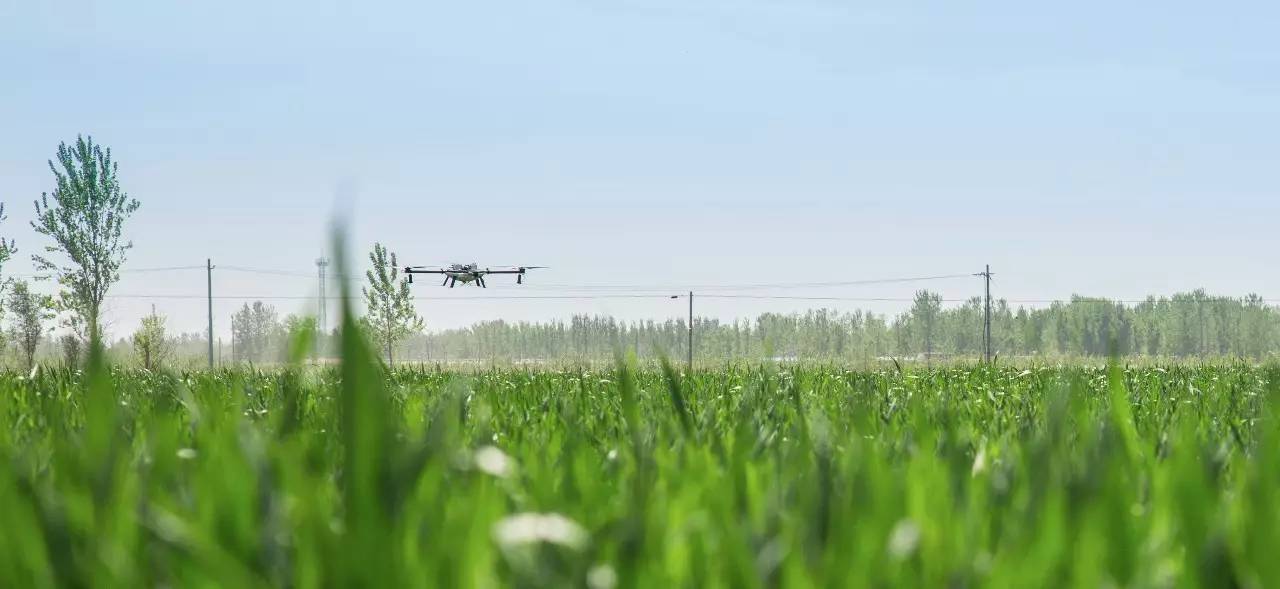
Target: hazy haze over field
x: 1094, y: 148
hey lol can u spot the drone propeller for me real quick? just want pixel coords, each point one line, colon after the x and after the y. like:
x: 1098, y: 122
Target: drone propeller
x: 520, y: 276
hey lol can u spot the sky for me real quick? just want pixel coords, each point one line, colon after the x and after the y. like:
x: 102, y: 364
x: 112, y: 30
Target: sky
x: 1100, y: 148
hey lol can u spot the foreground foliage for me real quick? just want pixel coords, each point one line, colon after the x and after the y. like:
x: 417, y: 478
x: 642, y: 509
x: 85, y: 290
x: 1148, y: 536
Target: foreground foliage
x: 743, y: 476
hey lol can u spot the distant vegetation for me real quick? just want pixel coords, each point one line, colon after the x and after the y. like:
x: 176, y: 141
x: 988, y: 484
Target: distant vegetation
x: 1190, y: 325
x: 1185, y: 325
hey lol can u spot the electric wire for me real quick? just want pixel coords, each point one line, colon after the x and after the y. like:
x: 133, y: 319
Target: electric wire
x: 418, y: 298
x: 163, y: 269
x: 263, y: 271
x: 47, y: 275
x: 636, y: 287
x: 1087, y: 300
x: 638, y: 291
x: 289, y: 273
x: 1091, y: 300
x: 758, y: 286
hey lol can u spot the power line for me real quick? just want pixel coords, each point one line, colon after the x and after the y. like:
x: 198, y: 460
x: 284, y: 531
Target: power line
x: 1130, y: 301
x: 636, y: 289
x: 163, y: 269
x: 1090, y: 300
x: 644, y: 287
x: 419, y: 298
x: 265, y: 271
x: 641, y: 291
x: 762, y: 286
x: 820, y: 298
x: 289, y: 273
x: 52, y: 274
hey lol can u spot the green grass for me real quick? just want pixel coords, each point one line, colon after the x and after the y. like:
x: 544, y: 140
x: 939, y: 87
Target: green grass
x: 741, y: 476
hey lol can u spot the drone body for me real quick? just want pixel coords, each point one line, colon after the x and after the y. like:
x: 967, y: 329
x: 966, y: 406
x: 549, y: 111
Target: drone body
x: 468, y: 273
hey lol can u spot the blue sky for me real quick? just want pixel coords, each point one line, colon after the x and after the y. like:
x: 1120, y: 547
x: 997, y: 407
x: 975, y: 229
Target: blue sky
x: 1091, y: 147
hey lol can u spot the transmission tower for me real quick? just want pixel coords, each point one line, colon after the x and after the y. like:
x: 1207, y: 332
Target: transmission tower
x: 322, y: 315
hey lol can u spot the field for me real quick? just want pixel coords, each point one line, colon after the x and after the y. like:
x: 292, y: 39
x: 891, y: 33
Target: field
x: 742, y: 476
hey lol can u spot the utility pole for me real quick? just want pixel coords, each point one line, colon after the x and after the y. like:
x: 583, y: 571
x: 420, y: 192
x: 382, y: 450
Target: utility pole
x: 986, y: 321
x: 209, y: 270
x: 690, y: 332
x: 690, y: 328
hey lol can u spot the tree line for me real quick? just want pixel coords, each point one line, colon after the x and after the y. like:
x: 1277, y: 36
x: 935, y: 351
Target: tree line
x: 1181, y: 326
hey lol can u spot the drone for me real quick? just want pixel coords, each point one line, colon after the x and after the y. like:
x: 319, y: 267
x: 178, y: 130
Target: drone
x: 467, y: 273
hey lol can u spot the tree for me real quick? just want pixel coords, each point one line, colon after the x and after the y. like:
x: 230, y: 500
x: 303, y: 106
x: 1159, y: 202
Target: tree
x: 7, y: 248
x: 924, y: 317
x: 253, y: 330
x: 297, y: 330
x: 70, y: 344
x: 390, y: 315
x: 151, y: 342
x: 30, y: 311
x: 85, y: 217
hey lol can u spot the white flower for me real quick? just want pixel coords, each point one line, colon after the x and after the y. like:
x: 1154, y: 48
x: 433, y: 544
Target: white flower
x: 903, y: 539
x: 531, y: 528
x: 491, y: 460
x: 979, y: 462
x: 602, y: 576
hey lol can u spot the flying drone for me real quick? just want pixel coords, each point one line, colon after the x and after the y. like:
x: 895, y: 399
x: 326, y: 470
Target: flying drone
x: 467, y: 273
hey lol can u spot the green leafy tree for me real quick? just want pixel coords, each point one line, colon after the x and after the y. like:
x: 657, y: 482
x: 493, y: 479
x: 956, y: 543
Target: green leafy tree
x: 254, y: 329
x: 390, y: 315
x: 151, y: 342
x: 30, y: 311
x: 85, y: 218
x: 7, y: 248
x: 299, y: 330
x: 924, y: 318
x: 70, y: 345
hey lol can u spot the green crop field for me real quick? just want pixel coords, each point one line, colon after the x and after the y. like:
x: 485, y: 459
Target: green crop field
x: 739, y: 476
